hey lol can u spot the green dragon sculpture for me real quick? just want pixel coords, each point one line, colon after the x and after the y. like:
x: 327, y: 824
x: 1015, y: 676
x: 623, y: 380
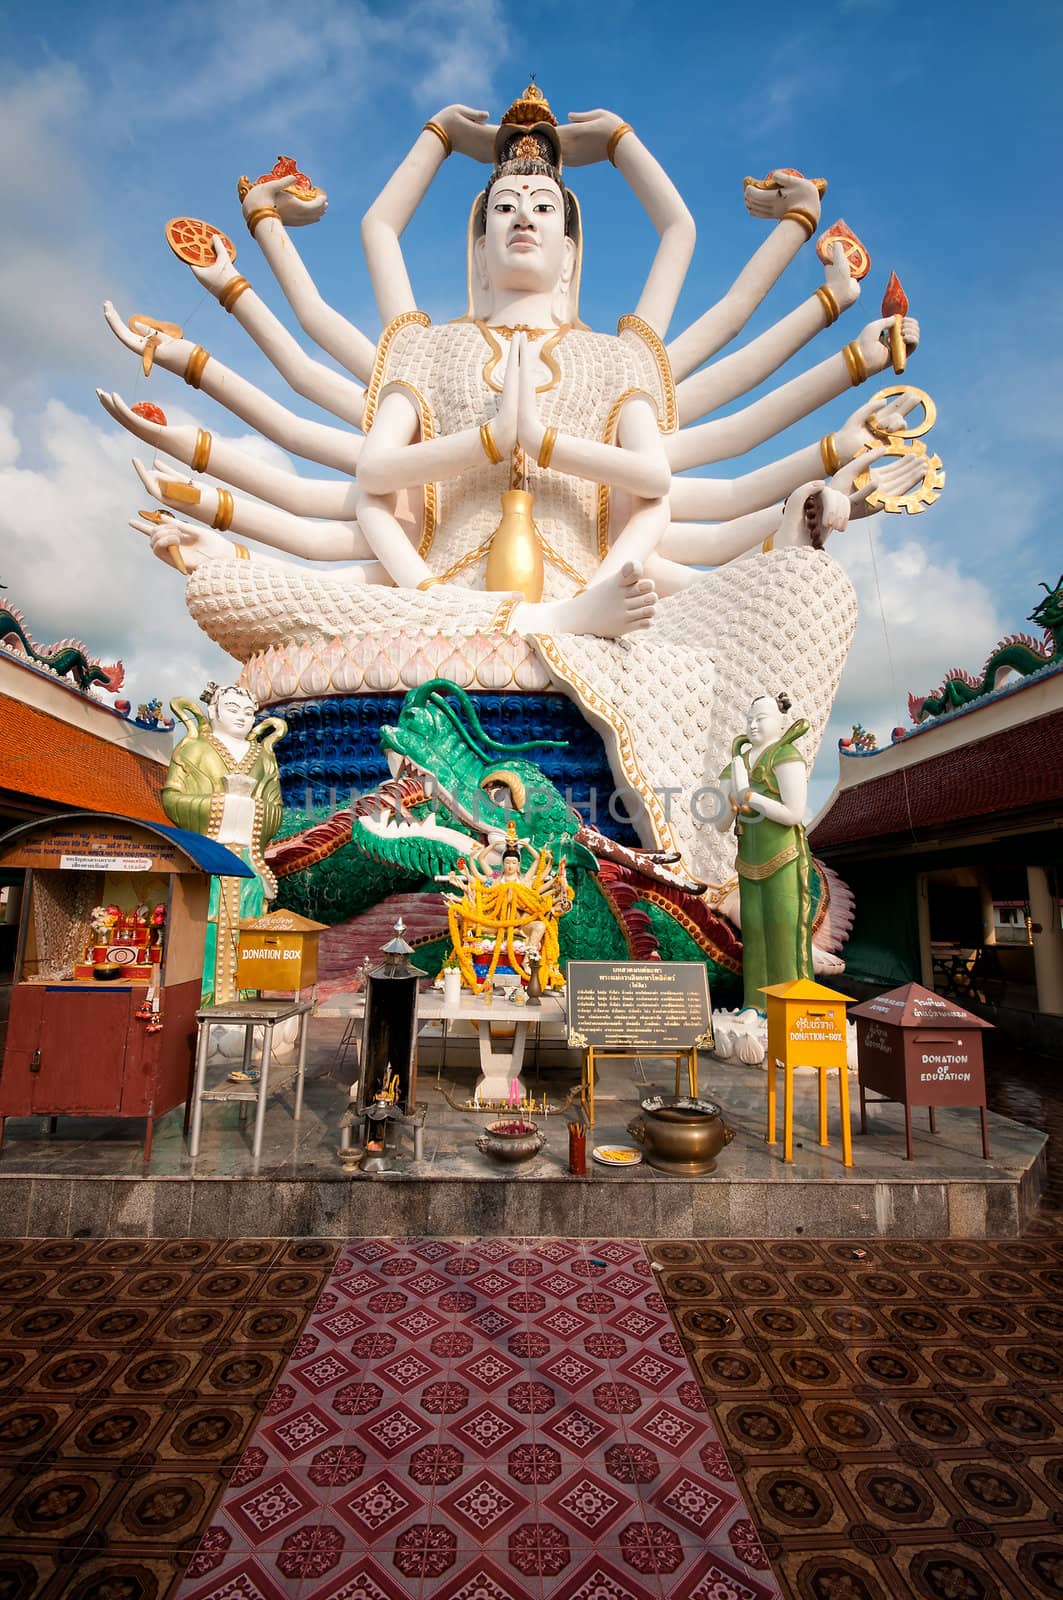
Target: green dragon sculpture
x: 69, y: 658
x: 452, y: 792
x: 1018, y: 653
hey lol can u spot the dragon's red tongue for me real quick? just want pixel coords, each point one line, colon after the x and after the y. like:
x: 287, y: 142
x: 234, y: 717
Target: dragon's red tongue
x: 894, y: 301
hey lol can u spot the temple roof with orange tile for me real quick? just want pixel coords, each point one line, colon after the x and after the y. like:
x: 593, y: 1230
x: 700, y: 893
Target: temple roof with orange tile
x: 56, y: 761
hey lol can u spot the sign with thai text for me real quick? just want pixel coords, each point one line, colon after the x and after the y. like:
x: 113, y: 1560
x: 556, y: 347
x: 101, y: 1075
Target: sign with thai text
x: 655, y: 1006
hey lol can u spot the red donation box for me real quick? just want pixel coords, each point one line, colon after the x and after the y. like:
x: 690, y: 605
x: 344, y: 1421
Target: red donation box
x: 108, y: 972
x: 919, y: 1049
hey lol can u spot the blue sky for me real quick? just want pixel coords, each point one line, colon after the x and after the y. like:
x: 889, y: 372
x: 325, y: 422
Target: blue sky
x: 939, y: 132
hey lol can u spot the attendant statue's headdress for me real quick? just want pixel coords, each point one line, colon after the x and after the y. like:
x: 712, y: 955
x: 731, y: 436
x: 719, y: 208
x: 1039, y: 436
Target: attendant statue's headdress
x: 214, y: 691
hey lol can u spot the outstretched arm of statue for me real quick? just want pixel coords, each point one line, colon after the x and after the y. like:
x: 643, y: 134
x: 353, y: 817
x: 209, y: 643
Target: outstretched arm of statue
x: 184, y: 546
x: 707, y: 544
x: 734, y: 435
x: 205, y: 452
x: 267, y: 208
x: 593, y: 136
x: 749, y: 367
x: 218, y: 509
x: 316, y: 441
x: 454, y: 128
x: 795, y: 203
x: 331, y: 390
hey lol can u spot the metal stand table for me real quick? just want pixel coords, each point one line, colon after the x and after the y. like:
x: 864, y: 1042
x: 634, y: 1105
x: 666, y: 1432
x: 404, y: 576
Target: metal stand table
x: 249, y: 1015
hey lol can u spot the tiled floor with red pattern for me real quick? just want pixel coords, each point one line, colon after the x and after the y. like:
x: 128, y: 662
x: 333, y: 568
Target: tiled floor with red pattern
x: 132, y: 1374
x: 484, y: 1420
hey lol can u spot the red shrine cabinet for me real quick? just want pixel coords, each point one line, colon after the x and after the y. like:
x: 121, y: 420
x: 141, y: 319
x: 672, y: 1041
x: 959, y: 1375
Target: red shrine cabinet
x: 108, y: 970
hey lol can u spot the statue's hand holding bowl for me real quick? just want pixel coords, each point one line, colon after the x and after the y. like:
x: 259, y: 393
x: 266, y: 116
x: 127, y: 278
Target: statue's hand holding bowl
x: 179, y: 441
x: 585, y: 136
x: 278, y: 193
x: 789, y: 192
x: 469, y: 132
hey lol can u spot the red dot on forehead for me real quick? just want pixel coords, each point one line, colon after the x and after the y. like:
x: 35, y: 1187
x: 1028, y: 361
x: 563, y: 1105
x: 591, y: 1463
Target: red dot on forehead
x: 524, y: 185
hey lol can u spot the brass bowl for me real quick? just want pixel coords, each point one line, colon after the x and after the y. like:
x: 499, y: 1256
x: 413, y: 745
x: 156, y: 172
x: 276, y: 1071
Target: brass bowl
x: 680, y: 1135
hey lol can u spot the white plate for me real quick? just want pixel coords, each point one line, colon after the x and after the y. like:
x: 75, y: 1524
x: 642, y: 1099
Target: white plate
x: 616, y: 1155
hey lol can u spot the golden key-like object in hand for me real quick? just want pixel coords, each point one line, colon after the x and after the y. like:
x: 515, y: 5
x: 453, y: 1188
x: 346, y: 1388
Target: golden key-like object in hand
x: 906, y: 441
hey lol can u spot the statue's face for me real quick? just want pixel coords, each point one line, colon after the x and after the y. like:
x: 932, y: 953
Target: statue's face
x: 765, y: 721
x: 524, y: 245
x: 233, y: 712
x: 510, y: 868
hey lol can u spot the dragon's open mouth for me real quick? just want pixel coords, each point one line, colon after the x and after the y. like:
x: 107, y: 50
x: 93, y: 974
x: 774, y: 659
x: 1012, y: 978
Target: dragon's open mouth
x: 387, y: 811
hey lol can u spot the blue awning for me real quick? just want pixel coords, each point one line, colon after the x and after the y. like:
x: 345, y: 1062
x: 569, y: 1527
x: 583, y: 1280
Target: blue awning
x: 208, y: 855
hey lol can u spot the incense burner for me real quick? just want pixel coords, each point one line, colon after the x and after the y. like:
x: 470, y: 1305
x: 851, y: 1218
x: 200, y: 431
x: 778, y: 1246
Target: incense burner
x: 680, y: 1134
x: 511, y: 1139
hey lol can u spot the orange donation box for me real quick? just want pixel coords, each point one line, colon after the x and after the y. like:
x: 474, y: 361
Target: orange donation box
x: 278, y: 951
x: 806, y: 1028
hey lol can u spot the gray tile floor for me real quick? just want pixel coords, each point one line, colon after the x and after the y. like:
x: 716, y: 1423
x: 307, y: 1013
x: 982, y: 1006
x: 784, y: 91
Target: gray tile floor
x: 87, y: 1175
x: 98, y: 1147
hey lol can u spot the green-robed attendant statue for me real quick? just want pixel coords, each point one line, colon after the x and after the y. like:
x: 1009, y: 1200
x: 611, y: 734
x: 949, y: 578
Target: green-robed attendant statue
x: 767, y: 786
x: 223, y: 781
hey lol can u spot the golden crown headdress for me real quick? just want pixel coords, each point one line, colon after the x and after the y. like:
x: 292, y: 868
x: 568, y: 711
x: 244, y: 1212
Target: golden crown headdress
x: 528, y: 131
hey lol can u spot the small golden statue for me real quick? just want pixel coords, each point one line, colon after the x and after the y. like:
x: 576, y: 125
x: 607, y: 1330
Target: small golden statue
x: 505, y: 925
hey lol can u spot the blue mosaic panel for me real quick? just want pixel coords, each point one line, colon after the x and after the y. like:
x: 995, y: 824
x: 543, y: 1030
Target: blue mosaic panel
x: 332, y: 752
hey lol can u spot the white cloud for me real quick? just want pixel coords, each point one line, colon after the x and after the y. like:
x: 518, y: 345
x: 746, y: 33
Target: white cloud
x: 55, y: 267
x: 74, y: 568
x: 279, y: 69
x: 919, y: 617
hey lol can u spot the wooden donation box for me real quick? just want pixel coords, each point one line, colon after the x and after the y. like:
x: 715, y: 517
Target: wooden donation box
x: 109, y: 965
x: 806, y: 1028
x: 917, y: 1048
x: 278, y: 952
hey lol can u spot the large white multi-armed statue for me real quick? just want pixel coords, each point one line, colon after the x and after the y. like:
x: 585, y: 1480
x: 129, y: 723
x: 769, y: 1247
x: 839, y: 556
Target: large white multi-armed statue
x: 596, y: 588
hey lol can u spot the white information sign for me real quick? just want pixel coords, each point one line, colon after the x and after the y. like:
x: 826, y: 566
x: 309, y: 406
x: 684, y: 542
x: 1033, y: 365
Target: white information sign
x: 94, y: 863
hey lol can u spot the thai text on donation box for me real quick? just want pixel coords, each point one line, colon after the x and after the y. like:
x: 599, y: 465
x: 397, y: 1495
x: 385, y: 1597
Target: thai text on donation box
x: 278, y: 951
x: 921, y: 1049
x: 806, y: 1024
